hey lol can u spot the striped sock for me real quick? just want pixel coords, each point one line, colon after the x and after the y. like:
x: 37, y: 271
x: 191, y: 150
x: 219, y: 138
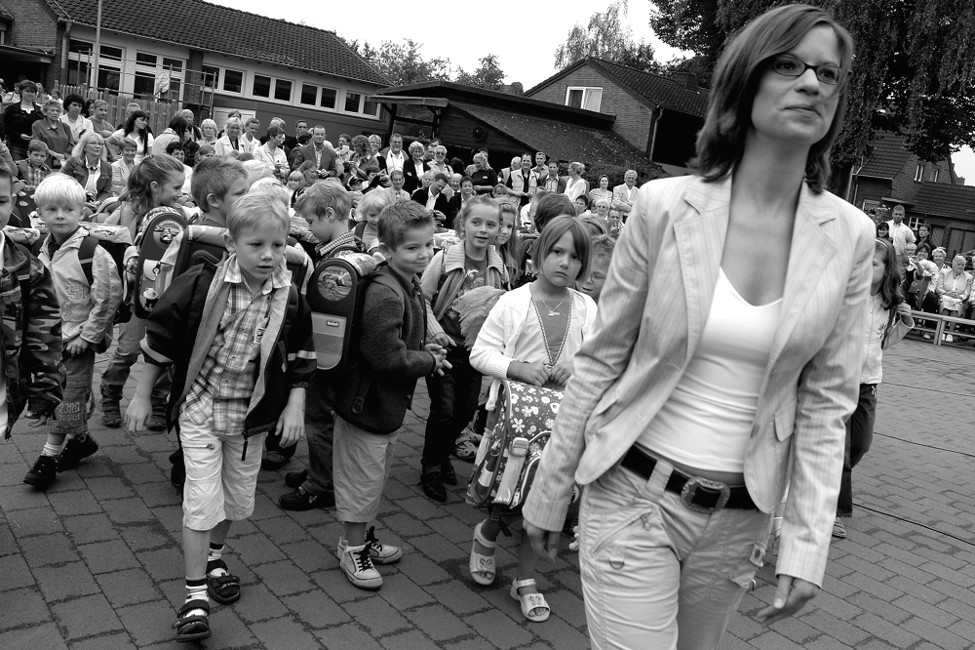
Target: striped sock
x: 215, y: 555
x: 51, y: 450
x: 196, y: 589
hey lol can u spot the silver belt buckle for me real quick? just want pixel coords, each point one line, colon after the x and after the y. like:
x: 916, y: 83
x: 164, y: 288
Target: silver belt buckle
x: 696, y: 483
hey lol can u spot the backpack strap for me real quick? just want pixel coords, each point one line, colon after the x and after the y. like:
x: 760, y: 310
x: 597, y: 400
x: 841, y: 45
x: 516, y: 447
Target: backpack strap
x: 86, y: 255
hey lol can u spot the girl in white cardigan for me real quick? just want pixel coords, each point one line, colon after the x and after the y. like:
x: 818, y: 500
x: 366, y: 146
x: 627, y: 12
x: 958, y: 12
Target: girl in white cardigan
x: 531, y: 335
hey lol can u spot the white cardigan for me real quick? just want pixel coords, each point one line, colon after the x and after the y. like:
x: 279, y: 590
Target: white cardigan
x: 494, y: 349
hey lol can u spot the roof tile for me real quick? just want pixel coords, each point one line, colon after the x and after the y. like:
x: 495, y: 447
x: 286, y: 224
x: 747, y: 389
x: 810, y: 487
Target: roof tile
x: 888, y: 157
x: 192, y: 23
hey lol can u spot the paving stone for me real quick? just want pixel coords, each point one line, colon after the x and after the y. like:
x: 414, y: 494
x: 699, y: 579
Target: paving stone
x: 255, y: 549
x: 65, y: 581
x: 315, y: 609
x: 259, y: 605
x: 344, y: 637
x: 14, y: 573
x: 401, y: 592
x: 285, y: 634
x: 129, y: 587
x: 74, y: 502
x: 109, y: 487
x: 55, y: 548
x: 283, y: 578
x: 437, y: 622
x: 30, y: 610
x: 413, y: 640
x: 26, y: 523
x: 885, y: 630
x: 310, y: 556
x: 85, y: 616
x: 148, y: 623
x: 115, y: 641
x: 84, y: 529
x: 127, y: 511
x: 499, y: 629
x: 46, y: 636
x: 375, y: 615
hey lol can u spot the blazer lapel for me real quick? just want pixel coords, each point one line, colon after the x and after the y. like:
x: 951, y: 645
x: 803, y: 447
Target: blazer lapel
x: 808, y: 257
x: 700, y: 243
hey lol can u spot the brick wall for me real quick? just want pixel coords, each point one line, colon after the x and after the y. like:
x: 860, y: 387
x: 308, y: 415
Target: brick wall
x: 35, y: 28
x: 633, y: 119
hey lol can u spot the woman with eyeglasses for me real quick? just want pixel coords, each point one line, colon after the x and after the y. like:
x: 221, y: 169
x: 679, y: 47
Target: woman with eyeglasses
x: 712, y: 381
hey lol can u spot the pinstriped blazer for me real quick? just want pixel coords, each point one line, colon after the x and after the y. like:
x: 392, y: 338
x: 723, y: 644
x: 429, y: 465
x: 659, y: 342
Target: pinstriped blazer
x: 651, y: 316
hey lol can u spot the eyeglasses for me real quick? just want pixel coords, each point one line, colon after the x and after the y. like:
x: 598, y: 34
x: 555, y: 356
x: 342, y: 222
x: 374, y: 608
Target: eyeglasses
x: 790, y: 66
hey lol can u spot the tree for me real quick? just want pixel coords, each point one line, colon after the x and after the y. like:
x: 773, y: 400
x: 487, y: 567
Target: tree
x: 913, y: 71
x: 488, y: 75
x: 402, y: 63
x: 607, y: 37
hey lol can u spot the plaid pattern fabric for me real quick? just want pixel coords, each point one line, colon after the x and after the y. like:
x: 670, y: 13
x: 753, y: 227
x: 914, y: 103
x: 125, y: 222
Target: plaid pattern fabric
x: 342, y: 241
x: 36, y: 174
x: 225, y: 383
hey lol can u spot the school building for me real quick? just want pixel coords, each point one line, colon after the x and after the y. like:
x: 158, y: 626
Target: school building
x: 201, y: 56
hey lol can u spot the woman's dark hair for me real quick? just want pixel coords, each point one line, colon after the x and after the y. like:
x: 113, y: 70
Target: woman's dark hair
x: 891, y: 293
x: 584, y: 199
x: 721, y: 142
x: 180, y: 126
x: 924, y: 247
x: 882, y: 225
x: 550, y: 206
x: 26, y: 85
x: 129, y: 127
x: 73, y: 98
x: 173, y: 146
x: 457, y: 165
x: 273, y: 131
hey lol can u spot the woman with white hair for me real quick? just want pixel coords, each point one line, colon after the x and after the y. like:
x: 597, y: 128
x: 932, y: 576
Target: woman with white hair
x: 576, y: 185
x: 231, y: 140
x: 209, y: 130
x: 89, y: 166
x: 954, y: 289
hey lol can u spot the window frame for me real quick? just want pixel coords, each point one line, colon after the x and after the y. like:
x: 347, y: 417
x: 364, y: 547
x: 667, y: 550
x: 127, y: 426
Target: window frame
x: 587, y: 92
x: 223, y: 81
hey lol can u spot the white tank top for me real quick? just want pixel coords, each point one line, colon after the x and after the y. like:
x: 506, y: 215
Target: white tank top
x: 706, y: 422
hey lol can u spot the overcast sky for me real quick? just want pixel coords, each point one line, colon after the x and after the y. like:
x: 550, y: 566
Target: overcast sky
x: 524, y: 35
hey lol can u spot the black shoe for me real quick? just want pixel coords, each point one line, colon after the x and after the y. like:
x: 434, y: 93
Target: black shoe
x: 301, y: 500
x: 448, y: 474
x: 157, y: 421
x: 431, y: 480
x: 295, y: 480
x: 273, y: 460
x: 74, y: 452
x: 111, y: 413
x: 44, y: 473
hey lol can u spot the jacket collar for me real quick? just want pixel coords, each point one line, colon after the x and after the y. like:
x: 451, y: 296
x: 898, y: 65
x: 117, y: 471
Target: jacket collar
x: 455, y: 257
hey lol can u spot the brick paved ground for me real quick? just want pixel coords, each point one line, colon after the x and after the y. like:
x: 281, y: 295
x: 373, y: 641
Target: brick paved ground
x: 95, y: 562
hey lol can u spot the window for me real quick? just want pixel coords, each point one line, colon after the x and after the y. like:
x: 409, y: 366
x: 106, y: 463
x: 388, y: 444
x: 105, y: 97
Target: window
x: 919, y: 173
x: 352, y: 102
x: 309, y: 94
x: 371, y: 108
x: 233, y: 81
x: 869, y: 206
x: 282, y: 90
x: 934, y: 175
x: 109, y: 78
x: 79, y: 47
x: 913, y: 223
x: 145, y: 84
x: 329, y: 98
x: 262, y: 86
x: 584, y: 97
x: 210, y: 76
x: 109, y: 52
x: 173, y: 64
x: 141, y: 58
x: 79, y: 72
x: 175, y: 86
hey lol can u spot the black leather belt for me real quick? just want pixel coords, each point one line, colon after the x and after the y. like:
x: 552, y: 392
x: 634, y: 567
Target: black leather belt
x: 699, y: 494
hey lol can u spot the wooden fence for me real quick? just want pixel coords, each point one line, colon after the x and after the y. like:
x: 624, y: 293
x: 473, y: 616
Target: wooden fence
x: 160, y: 113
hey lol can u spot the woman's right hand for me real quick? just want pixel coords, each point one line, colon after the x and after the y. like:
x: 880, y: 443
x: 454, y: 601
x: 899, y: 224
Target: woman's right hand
x: 545, y: 543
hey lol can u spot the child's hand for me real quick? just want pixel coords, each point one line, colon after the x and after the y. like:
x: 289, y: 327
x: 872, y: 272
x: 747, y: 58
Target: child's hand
x: 529, y: 373
x: 136, y: 416
x: 904, y: 311
x: 439, y: 358
x: 443, y: 339
x: 291, y: 424
x: 75, y: 346
x: 560, y: 374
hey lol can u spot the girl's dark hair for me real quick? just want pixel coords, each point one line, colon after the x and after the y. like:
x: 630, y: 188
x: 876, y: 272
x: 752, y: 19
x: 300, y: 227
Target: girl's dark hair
x: 721, y: 142
x: 891, y: 293
x: 882, y: 224
x: 550, y: 206
x: 129, y: 127
x: 156, y: 168
x: 581, y: 242
x: 27, y: 84
x: 180, y: 126
x: 173, y: 146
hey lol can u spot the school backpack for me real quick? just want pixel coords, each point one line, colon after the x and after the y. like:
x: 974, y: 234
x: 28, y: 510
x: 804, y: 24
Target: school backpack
x: 335, y: 295
x: 510, y: 451
x: 117, y: 241
x: 159, y: 227
x: 199, y: 244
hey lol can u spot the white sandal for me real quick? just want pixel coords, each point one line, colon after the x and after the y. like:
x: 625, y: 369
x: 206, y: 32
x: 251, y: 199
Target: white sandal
x: 482, y: 566
x: 530, y: 602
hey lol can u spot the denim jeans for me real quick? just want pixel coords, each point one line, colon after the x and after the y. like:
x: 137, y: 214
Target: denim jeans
x: 453, y: 400
x: 71, y: 415
x: 319, y: 429
x: 656, y: 574
x: 130, y: 335
x: 859, y: 437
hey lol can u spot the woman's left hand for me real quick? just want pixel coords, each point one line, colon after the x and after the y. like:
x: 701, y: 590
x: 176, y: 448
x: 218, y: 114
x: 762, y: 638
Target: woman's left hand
x: 791, y: 595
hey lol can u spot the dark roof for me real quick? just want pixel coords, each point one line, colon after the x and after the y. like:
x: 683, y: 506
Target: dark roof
x: 4, y: 14
x: 944, y: 200
x: 888, y: 156
x: 208, y: 27
x: 560, y: 140
x: 652, y: 89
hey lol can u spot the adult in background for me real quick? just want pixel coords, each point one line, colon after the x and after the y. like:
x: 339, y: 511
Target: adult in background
x: 414, y: 168
x: 18, y: 119
x: 231, y: 141
x: 320, y: 152
x: 301, y: 128
x: 54, y: 133
x: 540, y: 168
x: 363, y: 164
x: 924, y: 236
x: 77, y: 123
x: 899, y: 232
x: 177, y: 131
x: 553, y: 182
x: 89, y: 166
x: 575, y: 184
x: 249, y: 141
x: 271, y: 153
x: 954, y: 289
x: 625, y: 193
x: 136, y: 128
x: 434, y: 199
x: 693, y: 407
x: 601, y: 192
x: 99, y: 121
x: 394, y: 154
x: 439, y: 163
x: 484, y: 177
x: 376, y: 145
x: 209, y: 131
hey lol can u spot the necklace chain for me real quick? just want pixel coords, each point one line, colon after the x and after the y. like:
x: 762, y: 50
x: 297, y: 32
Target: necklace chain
x: 552, y: 358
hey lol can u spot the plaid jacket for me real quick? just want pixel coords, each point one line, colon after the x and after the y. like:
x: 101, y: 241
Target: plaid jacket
x: 31, y: 334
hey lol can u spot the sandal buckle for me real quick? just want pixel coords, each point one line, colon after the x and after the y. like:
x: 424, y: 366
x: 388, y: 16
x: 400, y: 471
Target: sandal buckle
x: 714, y: 490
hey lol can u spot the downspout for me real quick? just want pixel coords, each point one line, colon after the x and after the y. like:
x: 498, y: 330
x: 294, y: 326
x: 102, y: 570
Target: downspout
x: 65, y: 42
x: 658, y: 113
